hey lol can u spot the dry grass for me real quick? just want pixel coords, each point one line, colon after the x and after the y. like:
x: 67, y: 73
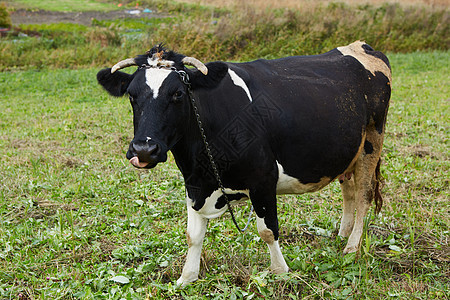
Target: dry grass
x: 302, y: 3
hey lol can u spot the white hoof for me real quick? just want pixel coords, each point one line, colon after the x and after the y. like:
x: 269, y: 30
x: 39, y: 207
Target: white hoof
x: 350, y: 249
x: 182, y: 282
x: 279, y: 270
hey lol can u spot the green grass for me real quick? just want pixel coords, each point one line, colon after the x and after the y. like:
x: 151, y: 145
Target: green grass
x: 66, y: 5
x: 75, y: 215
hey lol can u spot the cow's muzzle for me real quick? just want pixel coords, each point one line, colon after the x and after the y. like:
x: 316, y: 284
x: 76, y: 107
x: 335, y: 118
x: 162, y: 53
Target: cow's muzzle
x: 144, y: 155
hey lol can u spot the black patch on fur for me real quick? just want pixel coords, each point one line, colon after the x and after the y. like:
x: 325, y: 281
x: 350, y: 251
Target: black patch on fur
x: 116, y: 83
x: 368, y: 147
x: 370, y: 51
x: 367, y: 48
x: 221, y: 202
x: 216, y: 72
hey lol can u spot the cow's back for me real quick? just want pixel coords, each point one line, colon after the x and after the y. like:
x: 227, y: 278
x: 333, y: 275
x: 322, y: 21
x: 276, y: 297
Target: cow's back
x: 315, y: 109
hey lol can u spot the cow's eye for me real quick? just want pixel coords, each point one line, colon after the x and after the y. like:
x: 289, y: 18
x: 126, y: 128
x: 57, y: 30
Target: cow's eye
x: 178, y: 95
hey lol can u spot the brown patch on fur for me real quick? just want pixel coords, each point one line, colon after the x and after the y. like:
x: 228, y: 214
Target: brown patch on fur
x: 376, y: 139
x: 158, y: 55
x: 291, y: 185
x: 189, y: 240
x: 267, y: 236
x: 371, y: 63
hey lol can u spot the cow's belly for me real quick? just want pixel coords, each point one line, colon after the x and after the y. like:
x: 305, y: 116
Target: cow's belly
x: 289, y: 185
x: 286, y: 185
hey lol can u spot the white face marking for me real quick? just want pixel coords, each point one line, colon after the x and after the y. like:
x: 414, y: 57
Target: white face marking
x: 160, y: 63
x: 239, y: 82
x: 371, y: 63
x: 209, y: 210
x: 155, y: 78
x: 289, y: 185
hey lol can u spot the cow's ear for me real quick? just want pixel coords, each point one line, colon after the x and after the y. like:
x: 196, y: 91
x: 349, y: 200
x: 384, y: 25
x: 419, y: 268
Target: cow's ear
x: 114, y: 83
x: 216, y: 72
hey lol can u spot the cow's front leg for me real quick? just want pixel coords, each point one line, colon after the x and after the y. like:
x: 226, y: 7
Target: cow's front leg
x: 277, y: 263
x: 195, y: 234
x: 265, y: 205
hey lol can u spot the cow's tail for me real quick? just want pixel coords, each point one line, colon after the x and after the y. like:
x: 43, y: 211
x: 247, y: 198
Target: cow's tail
x: 378, y: 186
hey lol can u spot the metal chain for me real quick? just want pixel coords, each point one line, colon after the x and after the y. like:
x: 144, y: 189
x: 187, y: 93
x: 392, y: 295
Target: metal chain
x: 185, y: 79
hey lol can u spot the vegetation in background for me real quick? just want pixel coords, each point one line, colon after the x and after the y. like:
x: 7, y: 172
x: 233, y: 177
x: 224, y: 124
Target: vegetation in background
x: 296, y: 4
x: 210, y: 33
x: 5, y: 20
x: 77, y: 221
x: 65, y: 5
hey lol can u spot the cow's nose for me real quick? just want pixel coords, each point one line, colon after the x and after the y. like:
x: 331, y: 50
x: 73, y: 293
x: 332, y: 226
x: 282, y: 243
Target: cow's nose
x: 142, y: 153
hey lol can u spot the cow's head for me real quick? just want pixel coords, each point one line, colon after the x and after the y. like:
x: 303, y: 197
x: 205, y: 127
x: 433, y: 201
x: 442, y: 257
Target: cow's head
x: 160, y: 99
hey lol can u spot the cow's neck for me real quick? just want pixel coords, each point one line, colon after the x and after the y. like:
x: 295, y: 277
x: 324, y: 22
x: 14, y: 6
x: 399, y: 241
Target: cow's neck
x: 189, y: 153
x: 187, y: 148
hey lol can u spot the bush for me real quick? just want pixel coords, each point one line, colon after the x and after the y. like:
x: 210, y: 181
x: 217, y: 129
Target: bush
x: 5, y: 20
x: 237, y: 34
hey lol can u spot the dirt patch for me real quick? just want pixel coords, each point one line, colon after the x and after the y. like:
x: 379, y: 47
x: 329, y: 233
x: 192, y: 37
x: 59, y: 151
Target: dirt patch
x: 23, y: 16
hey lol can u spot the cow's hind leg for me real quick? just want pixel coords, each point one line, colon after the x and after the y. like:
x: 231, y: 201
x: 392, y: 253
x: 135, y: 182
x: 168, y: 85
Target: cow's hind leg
x: 348, y: 214
x: 366, y: 187
x: 195, y: 234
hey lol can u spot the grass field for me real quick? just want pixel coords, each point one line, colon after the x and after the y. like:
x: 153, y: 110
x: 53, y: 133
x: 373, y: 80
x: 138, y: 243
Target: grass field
x: 64, y: 5
x: 77, y: 221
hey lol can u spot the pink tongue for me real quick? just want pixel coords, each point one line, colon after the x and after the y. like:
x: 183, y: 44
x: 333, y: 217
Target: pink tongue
x: 135, y: 162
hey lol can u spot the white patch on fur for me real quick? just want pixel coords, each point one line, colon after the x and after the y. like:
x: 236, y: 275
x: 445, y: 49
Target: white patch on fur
x: 155, y: 78
x: 209, y: 209
x: 155, y: 63
x: 195, y: 234
x: 370, y: 62
x: 290, y: 185
x: 240, y: 82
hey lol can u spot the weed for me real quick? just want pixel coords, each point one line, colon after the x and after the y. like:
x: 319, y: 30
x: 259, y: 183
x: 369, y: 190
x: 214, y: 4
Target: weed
x: 5, y: 20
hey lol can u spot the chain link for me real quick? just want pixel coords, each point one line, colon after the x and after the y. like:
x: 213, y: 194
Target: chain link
x: 185, y: 79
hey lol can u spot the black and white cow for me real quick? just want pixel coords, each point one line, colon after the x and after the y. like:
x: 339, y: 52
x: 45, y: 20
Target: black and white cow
x: 290, y: 125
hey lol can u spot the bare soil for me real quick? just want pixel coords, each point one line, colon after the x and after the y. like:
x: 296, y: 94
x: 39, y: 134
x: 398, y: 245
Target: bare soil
x: 23, y: 16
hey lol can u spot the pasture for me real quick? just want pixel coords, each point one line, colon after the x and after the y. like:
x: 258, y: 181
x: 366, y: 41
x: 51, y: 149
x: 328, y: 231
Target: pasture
x: 77, y: 221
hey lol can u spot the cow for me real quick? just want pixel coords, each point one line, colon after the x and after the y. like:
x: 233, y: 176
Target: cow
x: 284, y: 126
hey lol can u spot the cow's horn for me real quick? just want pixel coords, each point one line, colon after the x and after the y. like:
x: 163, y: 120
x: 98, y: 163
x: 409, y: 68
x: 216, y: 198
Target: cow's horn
x: 191, y: 61
x: 123, y: 64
